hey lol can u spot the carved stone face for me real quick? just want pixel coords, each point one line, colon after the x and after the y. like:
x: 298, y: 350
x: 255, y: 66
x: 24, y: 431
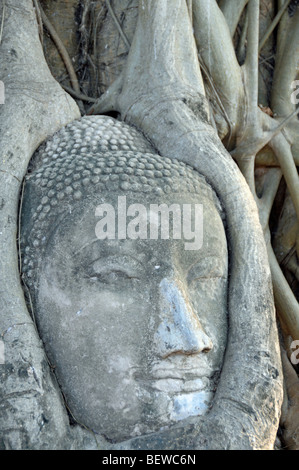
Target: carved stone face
x: 136, y: 329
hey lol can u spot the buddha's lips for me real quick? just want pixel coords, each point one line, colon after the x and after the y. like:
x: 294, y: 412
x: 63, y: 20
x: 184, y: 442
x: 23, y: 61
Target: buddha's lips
x: 170, y: 385
x: 174, y: 380
x: 177, y: 373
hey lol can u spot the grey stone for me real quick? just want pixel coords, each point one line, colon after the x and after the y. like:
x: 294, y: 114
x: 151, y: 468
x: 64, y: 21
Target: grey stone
x: 136, y: 329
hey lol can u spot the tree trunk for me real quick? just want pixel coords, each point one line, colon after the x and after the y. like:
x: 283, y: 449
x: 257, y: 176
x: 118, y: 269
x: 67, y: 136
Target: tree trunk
x: 183, y: 87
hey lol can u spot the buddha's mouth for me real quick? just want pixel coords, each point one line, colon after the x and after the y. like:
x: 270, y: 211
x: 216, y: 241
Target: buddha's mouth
x: 177, y: 380
x: 183, y: 373
x: 180, y: 385
x: 185, y: 396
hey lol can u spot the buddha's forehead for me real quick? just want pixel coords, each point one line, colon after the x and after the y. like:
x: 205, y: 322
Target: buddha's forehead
x: 74, y: 185
x: 76, y: 236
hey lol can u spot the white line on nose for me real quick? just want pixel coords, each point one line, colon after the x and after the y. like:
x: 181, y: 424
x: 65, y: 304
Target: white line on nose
x: 180, y: 330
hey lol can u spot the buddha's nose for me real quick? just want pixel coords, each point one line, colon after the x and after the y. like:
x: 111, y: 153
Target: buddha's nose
x: 180, y: 330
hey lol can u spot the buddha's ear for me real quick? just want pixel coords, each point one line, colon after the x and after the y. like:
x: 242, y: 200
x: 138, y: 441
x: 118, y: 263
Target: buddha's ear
x: 35, y: 107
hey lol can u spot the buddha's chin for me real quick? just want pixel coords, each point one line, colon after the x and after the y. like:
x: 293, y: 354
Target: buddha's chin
x: 159, y: 411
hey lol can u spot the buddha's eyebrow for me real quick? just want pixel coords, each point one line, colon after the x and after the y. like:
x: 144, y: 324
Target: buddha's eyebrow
x: 112, y: 263
x: 114, y: 257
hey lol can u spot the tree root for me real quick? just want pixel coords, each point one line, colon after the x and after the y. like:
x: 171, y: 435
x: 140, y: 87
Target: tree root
x: 251, y: 67
x: 210, y: 30
x: 25, y: 124
x: 232, y: 12
x: 2, y: 20
x: 285, y: 300
x: 64, y: 54
x: 39, y: 20
x: 171, y: 110
x: 273, y: 24
x: 79, y: 96
x: 179, y: 129
x: 252, y: 136
x: 119, y: 28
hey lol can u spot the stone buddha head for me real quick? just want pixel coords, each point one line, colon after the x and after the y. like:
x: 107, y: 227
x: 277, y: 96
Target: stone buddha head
x: 125, y: 256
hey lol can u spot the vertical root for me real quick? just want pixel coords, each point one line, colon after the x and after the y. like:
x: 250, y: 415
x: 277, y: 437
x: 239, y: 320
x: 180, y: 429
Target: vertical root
x: 2, y: 20
x: 273, y: 25
x: 64, y: 54
x: 232, y: 12
x: 117, y: 24
x: 251, y: 63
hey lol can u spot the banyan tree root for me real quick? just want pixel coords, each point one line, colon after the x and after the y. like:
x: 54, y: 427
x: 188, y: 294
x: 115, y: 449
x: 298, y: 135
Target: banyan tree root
x: 157, y: 109
x: 32, y: 413
x: 248, y: 128
x: 162, y: 92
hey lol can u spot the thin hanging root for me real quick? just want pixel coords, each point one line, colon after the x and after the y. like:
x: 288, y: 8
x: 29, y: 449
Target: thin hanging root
x: 273, y: 25
x: 283, y: 123
x: 62, y: 50
x: 95, y: 28
x: 120, y: 30
x: 210, y: 80
x: 251, y: 62
x: 190, y: 9
x: 108, y: 101
x: 19, y: 225
x: 241, y: 50
x: 285, y: 300
x: 39, y: 20
x: 84, y: 31
x: 79, y: 96
x: 2, y: 21
x: 285, y: 158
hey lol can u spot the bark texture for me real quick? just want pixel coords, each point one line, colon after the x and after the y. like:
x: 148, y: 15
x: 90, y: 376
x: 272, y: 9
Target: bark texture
x: 32, y: 413
x: 161, y: 91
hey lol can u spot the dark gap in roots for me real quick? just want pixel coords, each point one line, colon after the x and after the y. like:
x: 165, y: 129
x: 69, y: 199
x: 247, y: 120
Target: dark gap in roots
x: 293, y: 7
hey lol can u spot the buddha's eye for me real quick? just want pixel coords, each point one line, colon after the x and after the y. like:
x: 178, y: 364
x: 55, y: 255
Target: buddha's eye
x: 112, y: 270
x: 110, y: 276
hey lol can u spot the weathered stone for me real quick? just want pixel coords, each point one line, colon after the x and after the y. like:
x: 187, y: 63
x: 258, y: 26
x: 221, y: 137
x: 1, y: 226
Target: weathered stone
x: 136, y: 329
